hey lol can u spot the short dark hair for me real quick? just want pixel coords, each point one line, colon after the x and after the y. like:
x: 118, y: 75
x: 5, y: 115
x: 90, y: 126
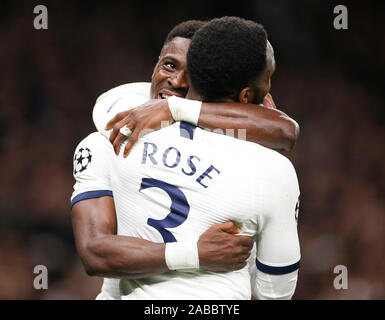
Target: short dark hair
x: 225, y: 56
x: 185, y: 29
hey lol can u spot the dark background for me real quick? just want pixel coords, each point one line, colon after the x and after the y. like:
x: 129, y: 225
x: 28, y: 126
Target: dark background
x: 330, y: 81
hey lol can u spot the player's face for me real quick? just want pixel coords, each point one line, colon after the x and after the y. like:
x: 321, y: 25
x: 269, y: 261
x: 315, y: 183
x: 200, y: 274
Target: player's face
x: 263, y: 83
x: 170, y: 74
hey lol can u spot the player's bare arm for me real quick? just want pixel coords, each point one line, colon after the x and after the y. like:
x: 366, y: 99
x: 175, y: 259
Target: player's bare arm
x: 106, y: 254
x: 263, y: 124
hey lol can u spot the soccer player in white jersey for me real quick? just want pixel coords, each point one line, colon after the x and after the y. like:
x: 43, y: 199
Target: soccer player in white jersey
x: 105, y: 254
x: 259, y: 192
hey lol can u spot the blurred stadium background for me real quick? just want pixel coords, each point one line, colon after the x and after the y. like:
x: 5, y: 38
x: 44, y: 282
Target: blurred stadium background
x: 330, y: 81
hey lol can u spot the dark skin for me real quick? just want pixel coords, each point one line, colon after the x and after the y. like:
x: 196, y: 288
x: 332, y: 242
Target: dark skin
x: 264, y: 124
x: 106, y: 254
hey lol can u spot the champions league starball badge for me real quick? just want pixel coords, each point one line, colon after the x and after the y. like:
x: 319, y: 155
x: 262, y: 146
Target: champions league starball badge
x: 82, y: 159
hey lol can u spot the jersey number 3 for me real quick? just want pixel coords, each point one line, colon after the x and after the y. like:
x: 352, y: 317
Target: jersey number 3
x: 179, y: 208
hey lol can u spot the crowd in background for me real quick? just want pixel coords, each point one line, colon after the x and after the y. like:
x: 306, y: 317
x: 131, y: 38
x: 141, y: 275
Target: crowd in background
x: 328, y: 80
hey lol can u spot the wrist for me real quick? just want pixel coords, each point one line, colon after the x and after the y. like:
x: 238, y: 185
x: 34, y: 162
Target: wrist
x: 182, y: 255
x: 167, y: 118
x: 184, y: 109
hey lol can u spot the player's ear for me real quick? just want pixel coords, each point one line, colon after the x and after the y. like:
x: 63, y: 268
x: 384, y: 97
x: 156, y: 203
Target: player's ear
x: 246, y: 95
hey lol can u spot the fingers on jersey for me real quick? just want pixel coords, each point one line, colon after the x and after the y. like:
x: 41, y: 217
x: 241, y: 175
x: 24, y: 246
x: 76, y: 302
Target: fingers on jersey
x: 246, y: 241
x: 116, y: 131
x: 118, y: 142
x: 125, y: 131
x: 117, y: 137
x: 132, y: 139
x: 118, y: 124
x: 229, y: 226
x: 223, y: 251
x: 126, y: 128
x: 117, y: 118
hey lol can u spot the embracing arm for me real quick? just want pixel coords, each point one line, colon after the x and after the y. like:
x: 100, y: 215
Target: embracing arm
x: 264, y: 125
x: 106, y: 254
x: 269, y: 127
x: 102, y: 252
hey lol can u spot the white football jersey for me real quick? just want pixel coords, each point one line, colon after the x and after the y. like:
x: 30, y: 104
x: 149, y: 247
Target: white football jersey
x: 180, y: 180
x: 119, y: 99
x: 277, y: 261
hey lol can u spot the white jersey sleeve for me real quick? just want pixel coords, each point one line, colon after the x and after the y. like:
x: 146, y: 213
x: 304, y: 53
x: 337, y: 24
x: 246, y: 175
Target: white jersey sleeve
x: 92, y: 180
x: 275, y: 267
x: 116, y: 100
x: 91, y: 169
